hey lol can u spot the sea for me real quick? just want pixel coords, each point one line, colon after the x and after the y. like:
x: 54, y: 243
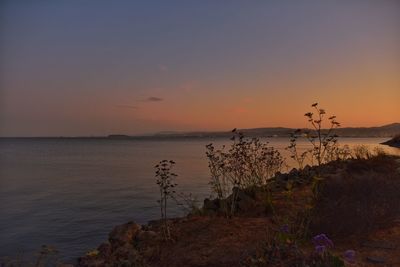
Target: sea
x: 70, y: 193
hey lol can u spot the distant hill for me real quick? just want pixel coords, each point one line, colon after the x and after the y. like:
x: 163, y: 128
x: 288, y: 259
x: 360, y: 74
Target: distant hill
x: 389, y: 130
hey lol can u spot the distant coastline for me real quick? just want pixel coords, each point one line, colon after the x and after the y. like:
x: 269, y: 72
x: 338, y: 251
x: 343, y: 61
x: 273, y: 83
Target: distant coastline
x: 387, y: 131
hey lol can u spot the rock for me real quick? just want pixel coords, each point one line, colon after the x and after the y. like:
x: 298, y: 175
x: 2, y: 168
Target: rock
x: 379, y: 244
x: 127, y: 255
x: 124, y: 252
x: 146, y: 236
x: 121, y: 251
x: 91, y: 262
x: 124, y: 233
x: 260, y: 194
x: 149, y: 252
x: 210, y: 205
x: 105, y: 249
x: 307, y: 168
x: 293, y: 172
x: 375, y: 260
x: 281, y: 177
x: 146, y: 227
x: 312, y: 173
x: 244, y: 201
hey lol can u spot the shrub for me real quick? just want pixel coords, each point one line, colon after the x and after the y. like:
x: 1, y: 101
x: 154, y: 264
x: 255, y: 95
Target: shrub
x: 324, y: 142
x: 281, y: 249
x: 188, y: 203
x: 164, y: 179
x: 364, y: 197
x: 294, y: 152
x: 247, y: 163
x: 361, y: 152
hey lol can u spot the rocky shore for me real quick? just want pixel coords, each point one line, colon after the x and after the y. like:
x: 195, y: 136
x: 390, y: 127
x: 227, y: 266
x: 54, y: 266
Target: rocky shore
x: 394, y: 142
x: 359, y: 209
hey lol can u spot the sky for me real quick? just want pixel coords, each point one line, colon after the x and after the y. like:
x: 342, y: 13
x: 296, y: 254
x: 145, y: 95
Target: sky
x: 91, y: 68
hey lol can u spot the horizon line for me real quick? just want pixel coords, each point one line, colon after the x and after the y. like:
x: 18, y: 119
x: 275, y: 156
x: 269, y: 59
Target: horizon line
x: 171, y: 132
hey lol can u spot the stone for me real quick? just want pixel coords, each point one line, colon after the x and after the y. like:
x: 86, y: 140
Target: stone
x: 124, y: 233
x: 307, y: 168
x: 379, y: 244
x: 260, y: 194
x: 293, y: 172
x: 125, y: 251
x: 244, y: 201
x: 375, y: 260
x: 146, y: 236
x: 282, y: 177
x: 91, y: 262
x: 105, y: 249
x: 210, y: 205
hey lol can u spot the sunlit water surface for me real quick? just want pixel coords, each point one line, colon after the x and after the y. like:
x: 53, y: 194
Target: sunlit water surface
x: 70, y: 193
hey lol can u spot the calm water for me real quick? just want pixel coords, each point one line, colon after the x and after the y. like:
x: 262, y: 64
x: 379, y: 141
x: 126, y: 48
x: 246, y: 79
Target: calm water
x: 71, y: 193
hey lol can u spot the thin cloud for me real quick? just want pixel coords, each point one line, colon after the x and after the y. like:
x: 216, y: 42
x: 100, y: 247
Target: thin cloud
x: 154, y: 99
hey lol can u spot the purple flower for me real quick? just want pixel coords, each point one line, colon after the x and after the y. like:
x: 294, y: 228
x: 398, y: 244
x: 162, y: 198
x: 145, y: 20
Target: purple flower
x: 285, y: 229
x: 322, y: 240
x: 320, y: 249
x: 350, y: 256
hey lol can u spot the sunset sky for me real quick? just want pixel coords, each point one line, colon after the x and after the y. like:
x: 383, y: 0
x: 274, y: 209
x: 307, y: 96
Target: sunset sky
x: 72, y: 68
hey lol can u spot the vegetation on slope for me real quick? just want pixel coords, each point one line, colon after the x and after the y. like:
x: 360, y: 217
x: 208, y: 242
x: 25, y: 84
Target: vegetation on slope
x: 320, y: 214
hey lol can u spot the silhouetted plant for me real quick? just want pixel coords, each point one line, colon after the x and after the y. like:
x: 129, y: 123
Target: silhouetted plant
x: 323, y: 141
x: 187, y: 202
x: 338, y: 153
x: 295, y: 154
x: 164, y: 179
x: 220, y: 185
x: 247, y: 163
x: 379, y: 152
x: 324, y: 144
x: 361, y: 152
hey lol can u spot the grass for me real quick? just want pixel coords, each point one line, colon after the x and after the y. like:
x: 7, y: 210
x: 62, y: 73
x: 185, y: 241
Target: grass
x: 364, y: 196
